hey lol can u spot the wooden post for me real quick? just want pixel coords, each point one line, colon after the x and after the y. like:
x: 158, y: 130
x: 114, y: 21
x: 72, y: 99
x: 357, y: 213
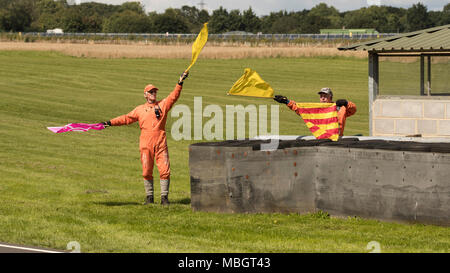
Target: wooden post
x: 373, y: 86
x: 429, y: 75
x: 422, y: 76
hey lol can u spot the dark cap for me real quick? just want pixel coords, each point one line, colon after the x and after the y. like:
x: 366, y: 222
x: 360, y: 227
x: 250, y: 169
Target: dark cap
x: 325, y: 90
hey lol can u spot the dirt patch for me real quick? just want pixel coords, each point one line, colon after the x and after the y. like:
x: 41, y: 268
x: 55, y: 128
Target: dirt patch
x: 142, y: 50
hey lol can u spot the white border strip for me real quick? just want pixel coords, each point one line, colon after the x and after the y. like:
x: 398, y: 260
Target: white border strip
x: 29, y: 249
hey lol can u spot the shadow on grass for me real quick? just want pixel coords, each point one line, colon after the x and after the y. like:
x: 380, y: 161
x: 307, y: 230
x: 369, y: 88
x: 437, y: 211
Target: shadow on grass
x: 116, y: 204
x: 184, y: 201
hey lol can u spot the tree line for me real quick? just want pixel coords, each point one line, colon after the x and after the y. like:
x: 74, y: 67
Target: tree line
x: 130, y: 17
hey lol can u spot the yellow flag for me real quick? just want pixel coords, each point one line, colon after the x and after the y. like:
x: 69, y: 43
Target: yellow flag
x: 199, y: 44
x: 251, y: 85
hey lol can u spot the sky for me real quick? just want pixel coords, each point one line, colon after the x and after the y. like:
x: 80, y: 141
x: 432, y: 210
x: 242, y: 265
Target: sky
x: 264, y: 7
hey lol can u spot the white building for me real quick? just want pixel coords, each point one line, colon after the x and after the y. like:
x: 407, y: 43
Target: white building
x: 55, y: 31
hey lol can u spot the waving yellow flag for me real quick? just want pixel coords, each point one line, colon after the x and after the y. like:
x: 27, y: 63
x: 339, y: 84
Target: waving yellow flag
x: 199, y: 44
x: 251, y: 85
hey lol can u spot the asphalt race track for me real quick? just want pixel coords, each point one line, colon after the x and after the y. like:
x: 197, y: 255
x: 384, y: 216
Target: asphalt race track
x: 10, y: 248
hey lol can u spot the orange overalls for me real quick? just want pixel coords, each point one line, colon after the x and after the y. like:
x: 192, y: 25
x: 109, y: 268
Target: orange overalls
x: 152, y: 142
x: 343, y: 113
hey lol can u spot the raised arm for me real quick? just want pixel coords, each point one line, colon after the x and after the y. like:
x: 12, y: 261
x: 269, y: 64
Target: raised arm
x: 173, y: 97
x: 289, y: 103
x: 347, y: 108
x: 175, y: 94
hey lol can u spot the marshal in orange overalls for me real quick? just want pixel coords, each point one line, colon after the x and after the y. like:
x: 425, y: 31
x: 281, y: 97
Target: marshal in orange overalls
x: 152, y: 142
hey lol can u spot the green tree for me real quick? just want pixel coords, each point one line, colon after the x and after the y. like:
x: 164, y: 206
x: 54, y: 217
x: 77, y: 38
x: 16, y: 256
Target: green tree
x: 86, y: 17
x: 323, y: 9
x: 377, y: 17
x: 194, y: 17
x: 16, y: 15
x: 267, y: 21
x: 48, y: 21
x: 50, y: 6
x: 219, y: 21
x: 94, y: 14
x: 235, y: 21
x: 445, y: 18
x: 250, y: 22
x: 192, y: 14
x: 417, y: 17
x: 321, y: 16
x: 127, y: 21
x: 72, y: 21
x: 285, y: 24
x: 435, y: 18
x: 392, y: 24
x: 313, y: 23
x: 92, y: 23
x: 103, y: 10
x: 40, y: 15
x: 136, y: 7
x: 49, y: 14
x: 203, y: 16
x: 170, y: 21
x: 330, y: 14
x: 394, y: 21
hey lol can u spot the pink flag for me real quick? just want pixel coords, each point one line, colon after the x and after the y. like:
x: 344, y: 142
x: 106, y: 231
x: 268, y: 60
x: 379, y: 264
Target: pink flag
x: 77, y: 127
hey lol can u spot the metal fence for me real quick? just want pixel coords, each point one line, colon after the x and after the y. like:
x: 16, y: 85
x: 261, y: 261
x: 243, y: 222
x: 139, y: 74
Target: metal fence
x: 184, y: 36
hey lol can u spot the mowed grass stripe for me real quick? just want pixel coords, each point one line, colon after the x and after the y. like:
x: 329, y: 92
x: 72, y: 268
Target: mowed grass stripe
x: 87, y: 187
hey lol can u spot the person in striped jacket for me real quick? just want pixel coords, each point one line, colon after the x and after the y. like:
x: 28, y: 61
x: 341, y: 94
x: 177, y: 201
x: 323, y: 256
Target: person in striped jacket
x: 345, y: 108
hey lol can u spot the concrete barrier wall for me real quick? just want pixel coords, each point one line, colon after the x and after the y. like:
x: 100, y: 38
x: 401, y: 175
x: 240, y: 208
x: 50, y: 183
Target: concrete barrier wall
x: 398, y: 116
x: 380, y: 184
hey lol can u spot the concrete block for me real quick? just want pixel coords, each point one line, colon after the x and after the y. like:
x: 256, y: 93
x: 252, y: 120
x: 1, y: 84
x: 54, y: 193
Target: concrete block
x: 447, y: 112
x: 384, y: 185
x: 427, y: 127
x: 405, y: 126
x: 411, y: 109
x: 434, y: 110
x: 444, y: 127
x: 355, y: 179
x: 376, y: 108
x: 384, y: 126
x: 391, y: 108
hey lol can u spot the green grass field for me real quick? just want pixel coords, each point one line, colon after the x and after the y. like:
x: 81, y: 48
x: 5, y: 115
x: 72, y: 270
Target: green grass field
x: 87, y: 187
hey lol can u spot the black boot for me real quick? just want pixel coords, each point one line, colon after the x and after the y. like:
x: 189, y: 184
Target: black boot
x: 149, y: 200
x: 165, y: 200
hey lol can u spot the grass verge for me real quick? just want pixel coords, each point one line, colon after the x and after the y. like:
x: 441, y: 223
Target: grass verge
x: 86, y: 187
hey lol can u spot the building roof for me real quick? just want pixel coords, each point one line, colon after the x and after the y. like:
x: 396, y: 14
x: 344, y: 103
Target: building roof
x: 435, y: 39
